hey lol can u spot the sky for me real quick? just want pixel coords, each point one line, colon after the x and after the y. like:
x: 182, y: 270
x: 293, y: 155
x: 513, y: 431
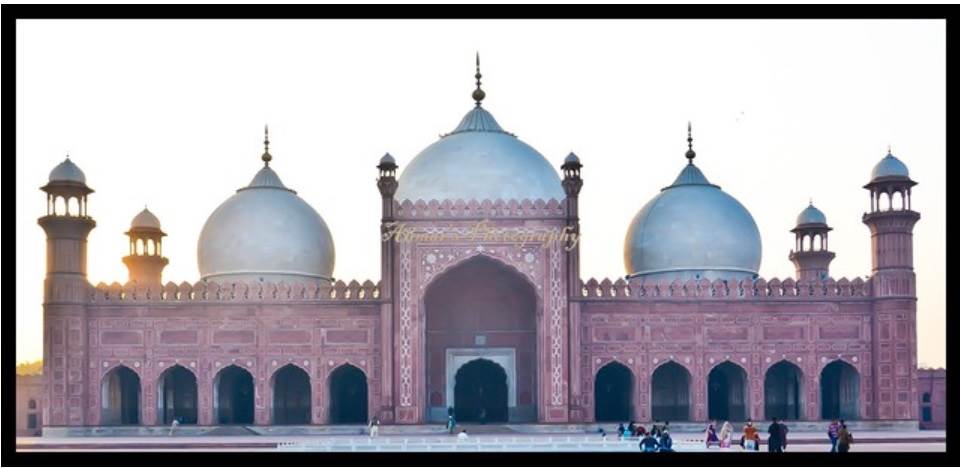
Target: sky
x: 170, y: 114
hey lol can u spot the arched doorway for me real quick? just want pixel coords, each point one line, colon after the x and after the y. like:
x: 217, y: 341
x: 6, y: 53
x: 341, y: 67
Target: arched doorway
x: 613, y: 393
x: 839, y: 391
x: 480, y: 392
x: 120, y: 397
x: 481, y: 308
x: 291, y: 396
x: 177, y: 396
x: 727, y: 393
x: 670, y: 393
x: 348, y: 395
x: 233, y: 396
x: 783, y: 391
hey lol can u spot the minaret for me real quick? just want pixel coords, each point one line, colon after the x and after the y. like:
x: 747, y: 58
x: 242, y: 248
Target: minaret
x: 893, y: 284
x: 891, y: 221
x: 65, y: 288
x: 67, y: 226
x: 145, y: 261
x: 812, y: 256
x: 387, y: 184
x: 572, y: 183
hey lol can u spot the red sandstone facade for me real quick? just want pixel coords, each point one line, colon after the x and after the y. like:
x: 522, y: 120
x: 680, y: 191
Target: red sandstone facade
x: 107, y: 348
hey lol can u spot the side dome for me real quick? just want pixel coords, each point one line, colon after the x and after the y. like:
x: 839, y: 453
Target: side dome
x: 265, y: 232
x: 67, y: 171
x: 889, y: 166
x: 692, y: 230
x: 145, y: 219
x: 811, y: 215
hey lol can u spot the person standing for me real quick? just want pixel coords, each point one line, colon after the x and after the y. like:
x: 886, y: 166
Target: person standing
x: 726, y: 434
x: 844, y: 439
x: 620, y: 430
x: 174, y: 424
x: 751, y: 437
x: 374, y: 427
x: 833, y: 431
x: 711, y: 435
x: 451, y: 421
x: 666, y: 443
x: 775, y: 441
x: 783, y: 435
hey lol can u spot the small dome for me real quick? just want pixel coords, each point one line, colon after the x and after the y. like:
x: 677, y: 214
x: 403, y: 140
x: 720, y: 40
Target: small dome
x: 479, y: 160
x: 387, y: 159
x: 889, y: 166
x: 145, y: 219
x: 571, y: 159
x: 692, y: 230
x: 67, y: 171
x: 265, y: 231
x: 811, y: 215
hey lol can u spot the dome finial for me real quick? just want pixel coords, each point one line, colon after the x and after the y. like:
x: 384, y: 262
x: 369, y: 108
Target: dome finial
x: 478, y: 93
x: 889, y: 151
x: 690, y: 153
x: 266, y: 146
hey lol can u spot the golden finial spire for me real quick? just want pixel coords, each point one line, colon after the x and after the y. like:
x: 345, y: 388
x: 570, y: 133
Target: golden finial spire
x: 478, y: 93
x: 690, y: 153
x: 266, y: 146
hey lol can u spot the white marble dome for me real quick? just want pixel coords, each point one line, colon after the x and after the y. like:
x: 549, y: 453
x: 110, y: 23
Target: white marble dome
x: 692, y: 230
x: 265, y: 232
x: 479, y: 160
x: 889, y: 166
x: 67, y: 171
x: 145, y: 219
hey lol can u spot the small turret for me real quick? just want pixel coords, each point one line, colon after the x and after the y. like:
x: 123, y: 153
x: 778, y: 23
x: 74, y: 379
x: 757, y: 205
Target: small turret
x: 145, y: 261
x: 812, y: 256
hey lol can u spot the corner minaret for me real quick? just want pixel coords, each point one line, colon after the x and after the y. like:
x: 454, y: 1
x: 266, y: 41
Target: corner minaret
x: 67, y: 225
x: 891, y: 219
x: 812, y: 256
x: 146, y: 261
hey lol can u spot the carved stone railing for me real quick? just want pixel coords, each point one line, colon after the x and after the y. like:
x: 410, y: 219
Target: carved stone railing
x: 723, y: 289
x: 526, y: 208
x: 210, y: 291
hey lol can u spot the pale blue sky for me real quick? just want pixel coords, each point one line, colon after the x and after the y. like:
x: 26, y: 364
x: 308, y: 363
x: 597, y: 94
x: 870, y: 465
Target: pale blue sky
x: 170, y: 113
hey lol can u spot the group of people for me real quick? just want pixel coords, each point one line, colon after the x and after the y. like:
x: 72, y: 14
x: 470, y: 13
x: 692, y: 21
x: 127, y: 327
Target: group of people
x: 750, y: 438
x: 840, y: 436
x: 657, y: 439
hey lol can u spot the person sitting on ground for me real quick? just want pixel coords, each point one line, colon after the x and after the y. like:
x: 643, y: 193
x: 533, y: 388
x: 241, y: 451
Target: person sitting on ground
x: 711, y: 435
x: 640, y: 430
x: 751, y: 437
x: 666, y: 442
x: 632, y: 427
x: 462, y: 435
x: 649, y: 443
x: 603, y: 434
x: 726, y: 434
x: 844, y: 439
x: 174, y: 424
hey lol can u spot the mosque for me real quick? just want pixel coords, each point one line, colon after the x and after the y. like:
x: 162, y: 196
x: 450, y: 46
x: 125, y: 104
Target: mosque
x: 480, y: 309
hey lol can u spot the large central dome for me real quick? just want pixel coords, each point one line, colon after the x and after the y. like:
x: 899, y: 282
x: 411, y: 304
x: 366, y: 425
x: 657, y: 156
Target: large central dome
x: 479, y: 160
x: 692, y: 230
x: 265, y: 232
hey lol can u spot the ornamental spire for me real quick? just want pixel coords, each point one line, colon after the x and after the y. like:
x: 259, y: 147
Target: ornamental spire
x: 478, y: 93
x: 266, y: 146
x: 690, y: 153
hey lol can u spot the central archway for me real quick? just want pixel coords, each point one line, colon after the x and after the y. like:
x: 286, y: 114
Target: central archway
x: 348, y: 395
x: 782, y: 391
x: 480, y: 392
x: 839, y: 391
x: 120, y: 397
x: 727, y: 393
x: 177, y: 396
x: 481, y: 308
x: 233, y: 396
x: 291, y: 396
x: 670, y: 393
x: 613, y: 393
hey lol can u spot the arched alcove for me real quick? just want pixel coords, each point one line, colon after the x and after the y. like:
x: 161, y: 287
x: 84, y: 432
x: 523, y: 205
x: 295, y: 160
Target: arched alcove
x: 120, y: 397
x: 613, y: 393
x: 670, y: 393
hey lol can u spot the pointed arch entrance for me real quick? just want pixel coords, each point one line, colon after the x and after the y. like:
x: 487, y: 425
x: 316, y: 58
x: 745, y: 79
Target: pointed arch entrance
x: 783, y: 391
x: 291, y: 395
x: 670, y: 393
x: 613, y: 393
x: 120, y: 397
x: 481, y: 308
x: 348, y: 395
x: 480, y: 392
x: 727, y: 393
x: 839, y: 391
x: 233, y: 396
x: 177, y: 396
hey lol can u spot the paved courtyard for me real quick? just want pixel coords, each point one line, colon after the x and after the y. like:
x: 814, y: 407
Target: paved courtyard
x: 922, y: 441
